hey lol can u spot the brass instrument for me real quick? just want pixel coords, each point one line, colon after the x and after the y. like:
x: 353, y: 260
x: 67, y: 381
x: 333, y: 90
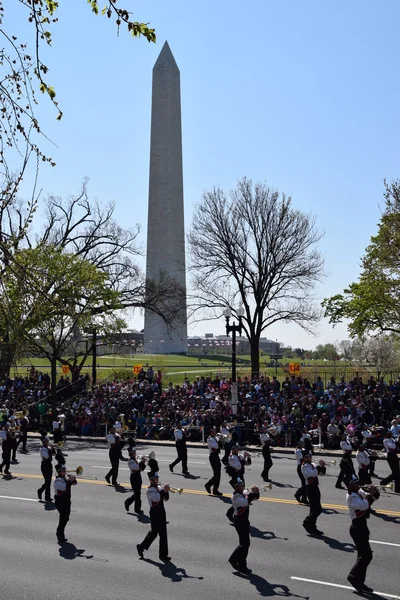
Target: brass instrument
x: 149, y: 456
x: 371, y: 489
x: 386, y: 488
x: 224, y: 439
x: 78, y: 473
x: 61, y: 446
x: 264, y: 488
x: 174, y: 490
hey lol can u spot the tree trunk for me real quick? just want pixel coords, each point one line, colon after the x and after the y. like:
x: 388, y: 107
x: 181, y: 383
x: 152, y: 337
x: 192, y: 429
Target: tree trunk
x: 7, y: 353
x: 255, y: 356
x: 53, y: 386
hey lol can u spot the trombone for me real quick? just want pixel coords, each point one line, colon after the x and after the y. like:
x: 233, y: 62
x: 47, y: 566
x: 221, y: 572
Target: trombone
x: 78, y: 473
x: 386, y: 488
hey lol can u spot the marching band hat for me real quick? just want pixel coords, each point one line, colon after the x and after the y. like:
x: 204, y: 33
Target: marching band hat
x: 305, y: 453
x: 61, y: 468
x: 153, y: 474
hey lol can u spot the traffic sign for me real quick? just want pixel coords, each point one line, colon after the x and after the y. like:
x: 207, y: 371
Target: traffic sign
x: 136, y: 369
x: 65, y: 369
x: 276, y: 356
x: 294, y: 368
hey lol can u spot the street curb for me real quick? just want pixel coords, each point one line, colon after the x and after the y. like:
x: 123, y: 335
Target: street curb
x: 144, y: 442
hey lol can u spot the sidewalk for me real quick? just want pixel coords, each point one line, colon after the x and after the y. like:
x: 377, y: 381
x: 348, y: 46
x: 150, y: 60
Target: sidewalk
x: 144, y: 442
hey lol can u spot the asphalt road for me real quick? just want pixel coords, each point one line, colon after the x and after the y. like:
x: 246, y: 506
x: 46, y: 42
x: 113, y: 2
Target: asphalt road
x: 100, y: 559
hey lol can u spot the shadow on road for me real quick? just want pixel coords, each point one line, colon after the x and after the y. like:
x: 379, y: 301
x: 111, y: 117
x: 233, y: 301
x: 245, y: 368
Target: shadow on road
x: 264, y: 535
x: 120, y: 489
x: 330, y: 511
x: 187, y: 475
x: 70, y: 552
x: 140, y: 517
x: 171, y: 571
x: 336, y: 545
x: 387, y: 518
x: 265, y: 588
x: 281, y: 485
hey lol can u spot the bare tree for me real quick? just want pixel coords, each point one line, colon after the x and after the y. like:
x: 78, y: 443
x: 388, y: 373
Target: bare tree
x: 89, y: 230
x: 252, y: 247
x: 382, y: 353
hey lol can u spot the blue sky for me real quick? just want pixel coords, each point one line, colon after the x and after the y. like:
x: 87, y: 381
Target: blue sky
x: 303, y: 95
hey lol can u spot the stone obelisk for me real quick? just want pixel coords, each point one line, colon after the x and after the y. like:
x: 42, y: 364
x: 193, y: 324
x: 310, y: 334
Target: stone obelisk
x: 166, y: 227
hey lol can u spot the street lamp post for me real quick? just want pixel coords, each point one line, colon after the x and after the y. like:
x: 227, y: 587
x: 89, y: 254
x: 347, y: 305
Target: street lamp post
x: 234, y: 329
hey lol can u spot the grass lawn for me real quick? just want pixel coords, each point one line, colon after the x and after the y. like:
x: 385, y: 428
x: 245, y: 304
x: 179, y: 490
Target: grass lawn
x: 175, y: 368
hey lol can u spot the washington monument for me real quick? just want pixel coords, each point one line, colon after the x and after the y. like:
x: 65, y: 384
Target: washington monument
x: 166, y: 227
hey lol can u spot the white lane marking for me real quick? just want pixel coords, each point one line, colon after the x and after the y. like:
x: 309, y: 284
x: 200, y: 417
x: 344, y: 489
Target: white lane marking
x: 15, y: 498
x: 343, y: 587
x: 385, y: 543
x: 98, y: 467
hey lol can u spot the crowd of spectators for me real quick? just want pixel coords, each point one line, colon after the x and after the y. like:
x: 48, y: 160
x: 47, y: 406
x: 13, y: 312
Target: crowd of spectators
x: 151, y: 409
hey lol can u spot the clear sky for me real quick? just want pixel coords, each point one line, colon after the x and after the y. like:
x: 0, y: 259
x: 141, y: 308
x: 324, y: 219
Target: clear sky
x: 303, y: 95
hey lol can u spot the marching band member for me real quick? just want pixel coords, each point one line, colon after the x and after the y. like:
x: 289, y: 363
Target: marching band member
x: 310, y: 473
x: 235, y: 469
x: 363, y: 461
x: 57, y: 433
x: 5, y: 436
x: 135, y: 468
x: 367, y: 442
x: 156, y: 496
x: 359, y: 502
x: 241, y: 499
x: 114, y: 444
x: 301, y: 494
x: 346, y: 463
x: 225, y: 433
x: 60, y: 460
x: 180, y: 442
x: 46, y: 454
x: 23, y: 438
x: 14, y: 441
x: 62, y: 499
x: 214, y: 446
x: 393, y: 462
x: 152, y: 463
x: 266, y: 452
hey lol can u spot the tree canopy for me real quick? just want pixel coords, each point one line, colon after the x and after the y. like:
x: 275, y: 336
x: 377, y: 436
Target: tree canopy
x: 252, y: 247
x: 372, y: 304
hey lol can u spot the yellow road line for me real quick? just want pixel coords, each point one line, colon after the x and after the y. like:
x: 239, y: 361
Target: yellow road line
x: 391, y: 513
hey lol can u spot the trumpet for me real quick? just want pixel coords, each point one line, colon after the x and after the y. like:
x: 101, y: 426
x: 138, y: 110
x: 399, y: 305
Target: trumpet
x: 78, y: 472
x: 174, y: 490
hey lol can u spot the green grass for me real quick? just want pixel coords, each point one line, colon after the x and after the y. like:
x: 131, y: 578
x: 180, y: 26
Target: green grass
x: 175, y: 367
